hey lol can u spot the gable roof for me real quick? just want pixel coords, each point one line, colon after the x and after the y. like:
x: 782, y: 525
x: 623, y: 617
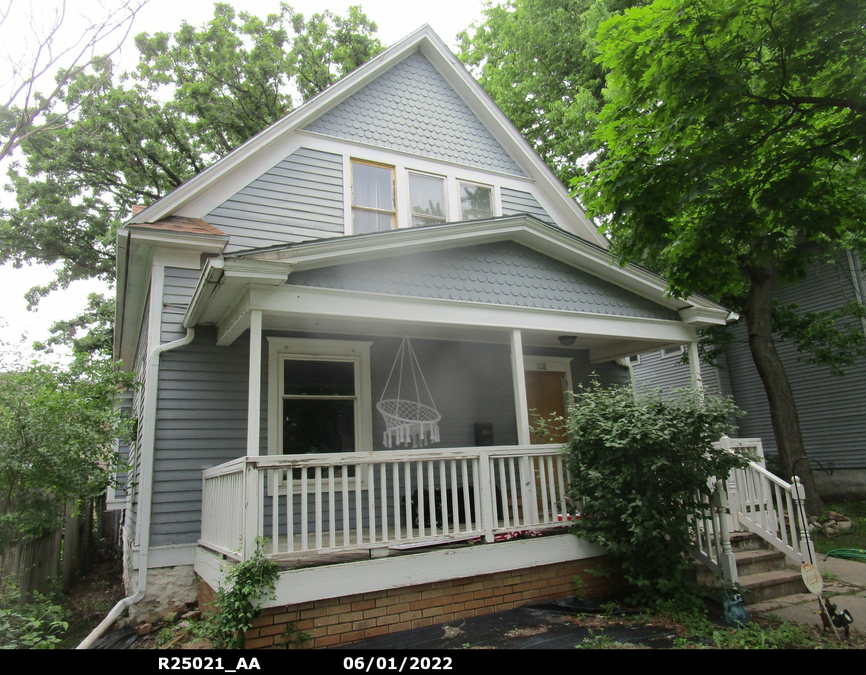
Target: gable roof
x: 435, y: 52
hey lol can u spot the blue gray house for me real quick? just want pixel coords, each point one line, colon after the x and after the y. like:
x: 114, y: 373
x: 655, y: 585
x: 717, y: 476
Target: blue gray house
x: 340, y: 331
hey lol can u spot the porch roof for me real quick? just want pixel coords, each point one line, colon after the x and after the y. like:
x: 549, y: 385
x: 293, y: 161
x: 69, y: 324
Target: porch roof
x: 231, y: 286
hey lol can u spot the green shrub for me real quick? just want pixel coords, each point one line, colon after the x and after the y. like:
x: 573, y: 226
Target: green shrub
x: 36, y: 625
x: 238, y: 603
x: 636, y: 463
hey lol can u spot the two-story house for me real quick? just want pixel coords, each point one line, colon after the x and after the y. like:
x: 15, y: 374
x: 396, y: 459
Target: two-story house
x: 340, y: 330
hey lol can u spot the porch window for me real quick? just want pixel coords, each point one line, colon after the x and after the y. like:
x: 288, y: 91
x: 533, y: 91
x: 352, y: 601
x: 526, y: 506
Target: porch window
x: 427, y: 199
x: 318, y: 396
x: 476, y: 201
x: 373, y: 207
x: 319, y: 406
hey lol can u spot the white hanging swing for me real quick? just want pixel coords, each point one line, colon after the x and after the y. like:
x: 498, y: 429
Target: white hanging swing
x: 408, y: 421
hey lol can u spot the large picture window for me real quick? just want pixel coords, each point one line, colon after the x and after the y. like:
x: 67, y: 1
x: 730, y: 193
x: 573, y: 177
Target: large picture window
x: 373, y: 207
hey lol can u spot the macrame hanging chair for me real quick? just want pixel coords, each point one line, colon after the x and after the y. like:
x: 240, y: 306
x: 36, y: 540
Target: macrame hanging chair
x: 408, y: 421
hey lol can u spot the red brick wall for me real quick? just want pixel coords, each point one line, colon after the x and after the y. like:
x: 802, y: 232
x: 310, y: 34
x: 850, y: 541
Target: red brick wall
x: 356, y: 617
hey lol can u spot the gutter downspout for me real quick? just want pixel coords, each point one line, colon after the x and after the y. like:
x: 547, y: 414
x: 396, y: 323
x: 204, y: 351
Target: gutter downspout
x: 856, y: 267
x: 147, y: 475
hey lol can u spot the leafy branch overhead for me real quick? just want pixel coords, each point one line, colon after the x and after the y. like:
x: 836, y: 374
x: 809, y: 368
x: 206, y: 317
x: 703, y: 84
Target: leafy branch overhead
x: 731, y: 160
x: 195, y: 95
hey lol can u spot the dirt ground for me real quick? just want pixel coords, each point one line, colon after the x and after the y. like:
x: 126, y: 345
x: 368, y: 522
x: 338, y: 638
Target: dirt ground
x: 538, y: 627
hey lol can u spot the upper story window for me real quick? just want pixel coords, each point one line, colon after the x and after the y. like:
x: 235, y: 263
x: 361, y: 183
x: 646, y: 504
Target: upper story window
x: 673, y: 351
x: 427, y: 199
x: 373, y: 208
x: 476, y: 201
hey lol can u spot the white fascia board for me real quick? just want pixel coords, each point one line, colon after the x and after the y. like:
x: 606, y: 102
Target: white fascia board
x: 174, y: 202
x: 178, y: 240
x: 306, y: 301
x: 226, y: 278
x: 122, y: 266
x: 703, y: 317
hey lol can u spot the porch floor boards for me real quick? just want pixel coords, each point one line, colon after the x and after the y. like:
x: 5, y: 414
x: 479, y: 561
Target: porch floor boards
x: 354, y: 552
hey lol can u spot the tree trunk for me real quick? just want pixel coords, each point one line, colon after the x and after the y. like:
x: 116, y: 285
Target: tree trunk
x: 783, y: 410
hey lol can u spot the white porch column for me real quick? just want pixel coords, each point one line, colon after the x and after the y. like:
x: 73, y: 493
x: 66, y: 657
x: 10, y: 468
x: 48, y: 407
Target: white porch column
x: 695, y: 366
x: 518, y: 376
x: 254, y: 400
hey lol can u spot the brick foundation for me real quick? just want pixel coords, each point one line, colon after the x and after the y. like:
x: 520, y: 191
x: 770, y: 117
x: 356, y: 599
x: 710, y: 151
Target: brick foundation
x: 340, y: 621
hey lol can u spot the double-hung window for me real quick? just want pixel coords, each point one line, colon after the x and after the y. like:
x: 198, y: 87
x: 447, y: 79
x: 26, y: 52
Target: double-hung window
x: 319, y: 397
x: 427, y: 199
x: 373, y: 208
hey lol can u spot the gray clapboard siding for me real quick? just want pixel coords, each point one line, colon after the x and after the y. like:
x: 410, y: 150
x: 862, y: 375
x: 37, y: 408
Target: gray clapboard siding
x: 832, y: 410
x: 413, y: 109
x: 139, y: 367
x: 300, y: 198
x: 503, y: 273
x: 655, y: 372
x: 517, y: 201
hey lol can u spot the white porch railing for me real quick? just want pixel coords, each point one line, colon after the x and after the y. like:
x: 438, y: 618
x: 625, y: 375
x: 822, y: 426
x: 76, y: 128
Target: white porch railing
x: 753, y: 500
x: 711, y: 536
x: 345, y: 501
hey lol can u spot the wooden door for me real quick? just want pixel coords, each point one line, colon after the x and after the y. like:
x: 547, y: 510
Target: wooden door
x: 544, y: 395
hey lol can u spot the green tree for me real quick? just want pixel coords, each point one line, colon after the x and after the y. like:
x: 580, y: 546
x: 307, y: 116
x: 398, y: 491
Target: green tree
x: 195, y: 95
x: 57, y: 427
x: 733, y: 157
x: 537, y: 60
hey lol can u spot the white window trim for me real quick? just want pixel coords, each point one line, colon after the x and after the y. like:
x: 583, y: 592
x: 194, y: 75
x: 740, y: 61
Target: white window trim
x: 278, y: 348
x: 445, y: 196
x: 403, y: 166
x: 395, y: 213
x: 633, y: 363
x: 494, y: 197
x: 672, y: 352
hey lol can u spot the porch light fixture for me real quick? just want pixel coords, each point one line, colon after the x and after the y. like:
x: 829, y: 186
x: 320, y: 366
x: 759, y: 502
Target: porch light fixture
x: 567, y: 340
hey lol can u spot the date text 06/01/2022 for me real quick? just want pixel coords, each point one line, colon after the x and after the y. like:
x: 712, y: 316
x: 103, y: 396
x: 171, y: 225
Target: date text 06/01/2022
x: 379, y: 663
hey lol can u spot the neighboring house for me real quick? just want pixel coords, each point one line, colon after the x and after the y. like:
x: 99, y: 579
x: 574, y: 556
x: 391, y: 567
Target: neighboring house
x: 263, y: 305
x: 832, y: 409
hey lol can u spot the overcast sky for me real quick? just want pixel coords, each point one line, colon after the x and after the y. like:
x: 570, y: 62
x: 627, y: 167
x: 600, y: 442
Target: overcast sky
x: 394, y: 19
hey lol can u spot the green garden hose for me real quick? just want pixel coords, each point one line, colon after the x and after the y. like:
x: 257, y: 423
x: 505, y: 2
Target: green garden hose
x: 847, y: 554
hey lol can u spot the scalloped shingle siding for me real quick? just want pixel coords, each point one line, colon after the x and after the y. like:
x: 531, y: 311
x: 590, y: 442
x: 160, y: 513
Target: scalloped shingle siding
x: 412, y: 108
x: 503, y: 273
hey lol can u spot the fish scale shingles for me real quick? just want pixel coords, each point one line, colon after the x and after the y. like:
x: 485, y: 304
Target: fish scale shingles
x: 412, y: 108
x: 504, y: 273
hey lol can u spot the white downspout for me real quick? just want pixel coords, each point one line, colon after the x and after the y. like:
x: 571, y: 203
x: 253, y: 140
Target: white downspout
x: 151, y: 393
x: 859, y: 285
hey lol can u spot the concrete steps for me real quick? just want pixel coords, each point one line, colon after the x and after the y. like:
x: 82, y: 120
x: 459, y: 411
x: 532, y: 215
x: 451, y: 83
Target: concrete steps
x: 763, y: 571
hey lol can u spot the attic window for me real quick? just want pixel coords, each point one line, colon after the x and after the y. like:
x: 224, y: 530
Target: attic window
x: 476, y: 201
x: 372, y: 197
x: 427, y: 199
x: 673, y: 351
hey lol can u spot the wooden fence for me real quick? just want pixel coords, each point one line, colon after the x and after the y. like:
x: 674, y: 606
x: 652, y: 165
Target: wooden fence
x: 57, y: 558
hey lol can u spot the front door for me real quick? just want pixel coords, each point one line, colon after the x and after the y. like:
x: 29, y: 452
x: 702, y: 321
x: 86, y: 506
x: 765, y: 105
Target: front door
x: 544, y: 395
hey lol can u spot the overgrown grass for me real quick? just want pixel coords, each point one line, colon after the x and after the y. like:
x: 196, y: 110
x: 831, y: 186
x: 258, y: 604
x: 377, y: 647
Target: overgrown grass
x: 853, y: 538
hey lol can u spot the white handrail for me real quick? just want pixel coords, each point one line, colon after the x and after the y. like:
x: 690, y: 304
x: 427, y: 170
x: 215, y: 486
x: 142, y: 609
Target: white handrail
x: 398, y: 498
